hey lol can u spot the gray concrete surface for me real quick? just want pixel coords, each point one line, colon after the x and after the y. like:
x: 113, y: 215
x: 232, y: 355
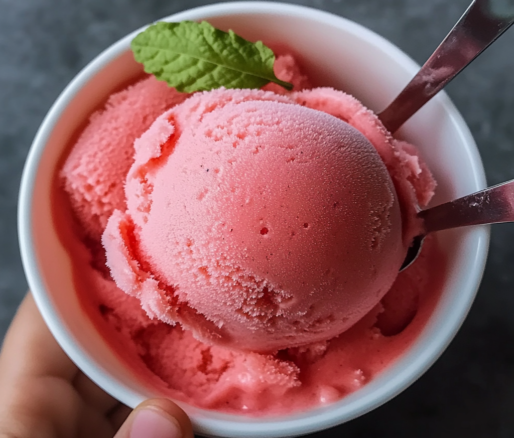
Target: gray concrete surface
x: 469, y: 392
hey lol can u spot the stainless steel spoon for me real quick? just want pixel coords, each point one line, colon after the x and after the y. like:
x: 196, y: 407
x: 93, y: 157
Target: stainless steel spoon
x: 489, y: 206
x: 482, y: 23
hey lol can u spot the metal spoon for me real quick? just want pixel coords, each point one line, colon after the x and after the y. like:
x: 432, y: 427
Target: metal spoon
x: 489, y: 206
x: 482, y: 23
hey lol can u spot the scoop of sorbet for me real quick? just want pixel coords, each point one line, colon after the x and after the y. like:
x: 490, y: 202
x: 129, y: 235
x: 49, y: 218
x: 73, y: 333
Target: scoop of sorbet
x: 255, y: 222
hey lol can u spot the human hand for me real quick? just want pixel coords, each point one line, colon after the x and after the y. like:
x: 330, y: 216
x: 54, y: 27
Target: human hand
x: 43, y: 394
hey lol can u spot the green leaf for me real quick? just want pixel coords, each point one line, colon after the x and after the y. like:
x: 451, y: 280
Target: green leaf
x: 194, y: 56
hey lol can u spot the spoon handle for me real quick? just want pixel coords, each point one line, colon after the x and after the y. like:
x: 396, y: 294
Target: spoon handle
x: 482, y: 23
x: 489, y: 206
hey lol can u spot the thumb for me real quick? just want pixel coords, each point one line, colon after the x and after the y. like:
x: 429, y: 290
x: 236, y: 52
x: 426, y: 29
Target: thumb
x: 156, y: 418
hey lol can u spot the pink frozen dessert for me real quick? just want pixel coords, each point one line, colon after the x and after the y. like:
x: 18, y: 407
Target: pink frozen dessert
x: 253, y: 240
x: 256, y: 222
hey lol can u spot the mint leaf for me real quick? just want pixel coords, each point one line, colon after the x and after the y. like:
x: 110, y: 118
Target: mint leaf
x: 194, y: 56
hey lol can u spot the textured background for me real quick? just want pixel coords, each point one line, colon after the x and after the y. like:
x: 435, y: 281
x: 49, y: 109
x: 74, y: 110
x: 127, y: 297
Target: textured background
x: 470, y: 390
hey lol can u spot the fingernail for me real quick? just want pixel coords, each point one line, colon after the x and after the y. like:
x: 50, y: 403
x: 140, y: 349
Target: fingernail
x: 150, y: 423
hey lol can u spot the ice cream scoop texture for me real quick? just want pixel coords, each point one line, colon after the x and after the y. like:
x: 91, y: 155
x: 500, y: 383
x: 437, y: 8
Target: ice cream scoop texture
x: 94, y: 187
x: 256, y: 222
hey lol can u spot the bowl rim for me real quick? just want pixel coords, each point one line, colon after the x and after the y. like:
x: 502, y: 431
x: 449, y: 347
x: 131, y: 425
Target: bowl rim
x: 294, y: 424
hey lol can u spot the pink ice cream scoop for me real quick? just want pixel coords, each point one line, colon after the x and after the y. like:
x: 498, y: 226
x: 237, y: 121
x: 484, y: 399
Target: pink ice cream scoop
x: 256, y: 222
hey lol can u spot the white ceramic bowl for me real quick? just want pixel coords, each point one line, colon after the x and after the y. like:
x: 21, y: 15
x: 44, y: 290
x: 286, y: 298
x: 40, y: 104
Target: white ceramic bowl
x: 338, y: 53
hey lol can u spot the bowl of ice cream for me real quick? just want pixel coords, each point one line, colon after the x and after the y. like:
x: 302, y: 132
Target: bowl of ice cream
x: 274, y: 387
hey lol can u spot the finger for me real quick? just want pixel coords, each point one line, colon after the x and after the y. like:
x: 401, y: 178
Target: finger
x: 37, y: 397
x: 93, y: 395
x: 156, y: 418
x: 30, y: 350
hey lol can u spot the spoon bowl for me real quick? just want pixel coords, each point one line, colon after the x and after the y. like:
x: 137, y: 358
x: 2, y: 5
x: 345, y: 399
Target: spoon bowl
x: 489, y: 206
